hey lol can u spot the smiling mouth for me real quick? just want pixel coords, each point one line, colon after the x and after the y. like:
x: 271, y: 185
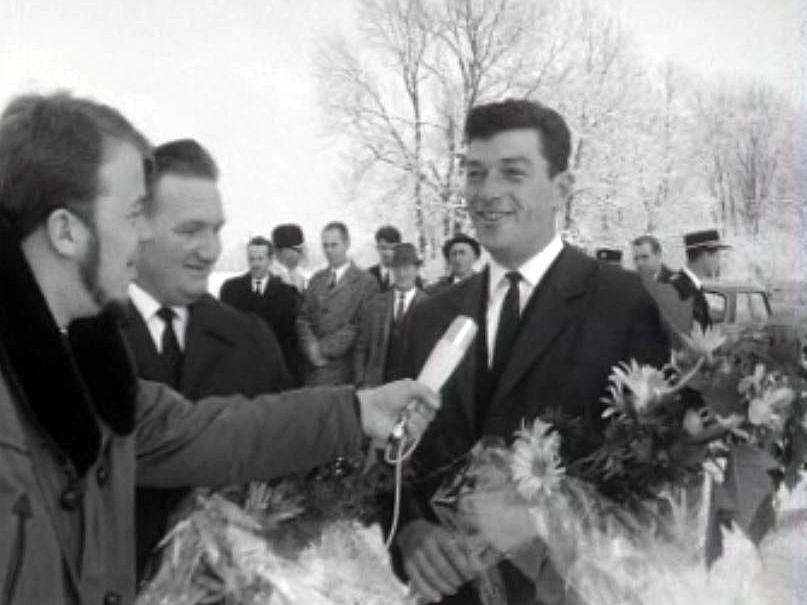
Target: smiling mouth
x: 493, y: 215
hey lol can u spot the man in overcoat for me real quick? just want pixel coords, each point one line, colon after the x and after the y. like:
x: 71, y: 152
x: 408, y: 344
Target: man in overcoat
x: 77, y: 429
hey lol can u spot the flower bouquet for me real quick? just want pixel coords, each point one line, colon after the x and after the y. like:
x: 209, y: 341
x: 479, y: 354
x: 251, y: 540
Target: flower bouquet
x: 298, y: 542
x: 688, y: 498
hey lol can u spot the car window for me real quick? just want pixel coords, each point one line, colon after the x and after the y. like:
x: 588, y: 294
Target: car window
x: 756, y: 306
x: 717, y: 306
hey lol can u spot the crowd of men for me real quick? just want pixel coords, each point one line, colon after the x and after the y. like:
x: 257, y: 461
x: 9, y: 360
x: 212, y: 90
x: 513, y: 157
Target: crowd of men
x: 286, y: 369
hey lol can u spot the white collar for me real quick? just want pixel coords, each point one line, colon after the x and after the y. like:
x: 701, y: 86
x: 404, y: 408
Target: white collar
x: 148, y: 306
x: 695, y: 279
x: 340, y: 271
x: 531, y: 271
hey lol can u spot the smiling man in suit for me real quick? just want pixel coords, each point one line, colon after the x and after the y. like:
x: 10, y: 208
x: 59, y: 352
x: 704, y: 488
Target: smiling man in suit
x: 332, y: 309
x: 180, y: 334
x: 277, y: 303
x: 553, y: 322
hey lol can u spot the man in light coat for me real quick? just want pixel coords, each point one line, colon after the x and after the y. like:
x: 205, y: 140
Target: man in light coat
x: 77, y: 429
x: 333, y: 306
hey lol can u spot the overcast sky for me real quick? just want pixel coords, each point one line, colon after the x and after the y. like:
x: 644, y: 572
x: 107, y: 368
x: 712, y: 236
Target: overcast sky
x: 237, y: 76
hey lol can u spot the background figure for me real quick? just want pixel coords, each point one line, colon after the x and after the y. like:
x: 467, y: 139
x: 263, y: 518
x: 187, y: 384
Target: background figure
x: 461, y: 253
x: 332, y: 309
x: 609, y: 255
x: 386, y: 238
x: 703, y: 262
x: 647, y: 255
x: 266, y: 295
x: 553, y: 322
x: 180, y: 335
x: 289, y: 252
x: 377, y: 356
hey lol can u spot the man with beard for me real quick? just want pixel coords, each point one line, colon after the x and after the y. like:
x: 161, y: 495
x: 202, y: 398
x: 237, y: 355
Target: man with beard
x: 180, y: 335
x: 552, y: 324
x: 77, y: 429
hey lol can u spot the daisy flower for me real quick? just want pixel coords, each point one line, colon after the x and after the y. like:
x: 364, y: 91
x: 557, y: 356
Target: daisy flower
x: 536, y: 464
x: 646, y: 385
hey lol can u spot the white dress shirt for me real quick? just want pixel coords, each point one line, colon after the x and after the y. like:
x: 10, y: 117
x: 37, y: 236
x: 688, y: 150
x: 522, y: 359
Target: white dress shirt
x: 409, y: 296
x: 147, y: 306
x: 532, y: 272
x: 339, y: 271
x: 261, y: 282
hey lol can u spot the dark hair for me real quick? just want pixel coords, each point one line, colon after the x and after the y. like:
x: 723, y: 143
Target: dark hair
x: 185, y: 157
x: 461, y: 238
x: 655, y: 245
x: 51, y: 150
x: 338, y: 226
x: 389, y: 234
x: 259, y: 240
x: 485, y: 121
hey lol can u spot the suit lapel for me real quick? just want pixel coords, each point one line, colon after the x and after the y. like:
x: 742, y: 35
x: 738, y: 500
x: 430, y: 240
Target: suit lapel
x: 556, y: 301
x: 204, y: 346
x: 351, y: 275
x: 469, y: 299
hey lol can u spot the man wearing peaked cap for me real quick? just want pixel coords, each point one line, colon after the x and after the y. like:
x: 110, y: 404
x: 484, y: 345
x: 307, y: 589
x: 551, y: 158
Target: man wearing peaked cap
x: 703, y: 262
x: 289, y: 251
x: 609, y: 255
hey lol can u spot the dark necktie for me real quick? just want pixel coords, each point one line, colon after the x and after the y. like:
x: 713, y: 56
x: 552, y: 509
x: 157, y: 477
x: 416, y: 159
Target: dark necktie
x: 332, y: 283
x: 171, y: 354
x: 257, y: 287
x: 400, y: 309
x: 508, y: 324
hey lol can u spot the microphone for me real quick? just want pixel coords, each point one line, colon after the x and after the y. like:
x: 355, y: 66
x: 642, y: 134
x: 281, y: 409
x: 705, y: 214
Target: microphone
x: 442, y: 361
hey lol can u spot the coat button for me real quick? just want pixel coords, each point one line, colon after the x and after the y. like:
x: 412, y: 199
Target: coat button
x: 112, y: 598
x: 69, y: 498
x: 102, y: 474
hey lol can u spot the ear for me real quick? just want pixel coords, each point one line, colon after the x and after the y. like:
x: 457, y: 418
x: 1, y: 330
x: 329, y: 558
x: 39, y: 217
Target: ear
x: 66, y: 233
x: 564, y: 185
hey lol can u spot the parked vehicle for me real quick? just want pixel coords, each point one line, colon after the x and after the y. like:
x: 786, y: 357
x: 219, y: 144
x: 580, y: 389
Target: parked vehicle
x: 737, y: 303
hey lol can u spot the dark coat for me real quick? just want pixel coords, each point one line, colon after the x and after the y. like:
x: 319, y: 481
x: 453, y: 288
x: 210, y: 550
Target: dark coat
x: 77, y: 430
x: 226, y: 353
x: 689, y: 292
x: 665, y: 274
x: 373, y: 359
x: 278, y: 306
x: 330, y: 317
x: 583, y: 318
x: 375, y: 271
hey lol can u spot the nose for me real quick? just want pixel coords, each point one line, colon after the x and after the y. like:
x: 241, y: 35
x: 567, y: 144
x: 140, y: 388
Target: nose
x: 210, y: 248
x: 490, y: 189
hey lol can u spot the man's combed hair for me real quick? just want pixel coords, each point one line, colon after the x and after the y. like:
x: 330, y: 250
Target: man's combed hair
x: 51, y: 150
x: 338, y: 226
x: 185, y: 157
x: 655, y: 245
x: 389, y: 234
x: 485, y: 121
x: 259, y: 240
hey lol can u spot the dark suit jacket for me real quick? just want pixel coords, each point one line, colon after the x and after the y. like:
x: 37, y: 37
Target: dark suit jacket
x: 372, y: 355
x: 665, y: 274
x: 583, y: 318
x: 278, y: 306
x: 330, y: 317
x: 689, y: 292
x: 226, y: 352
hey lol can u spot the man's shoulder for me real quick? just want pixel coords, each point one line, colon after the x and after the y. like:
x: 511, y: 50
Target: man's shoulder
x: 683, y: 284
x: 222, y: 318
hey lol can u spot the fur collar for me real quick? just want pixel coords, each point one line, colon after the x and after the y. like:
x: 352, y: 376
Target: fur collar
x: 66, y: 384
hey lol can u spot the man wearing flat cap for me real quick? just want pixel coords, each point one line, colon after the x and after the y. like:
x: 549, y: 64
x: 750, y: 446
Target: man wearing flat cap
x: 703, y: 262
x: 461, y: 253
x: 380, y: 340
x: 289, y: 250
x: 609, y: 255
